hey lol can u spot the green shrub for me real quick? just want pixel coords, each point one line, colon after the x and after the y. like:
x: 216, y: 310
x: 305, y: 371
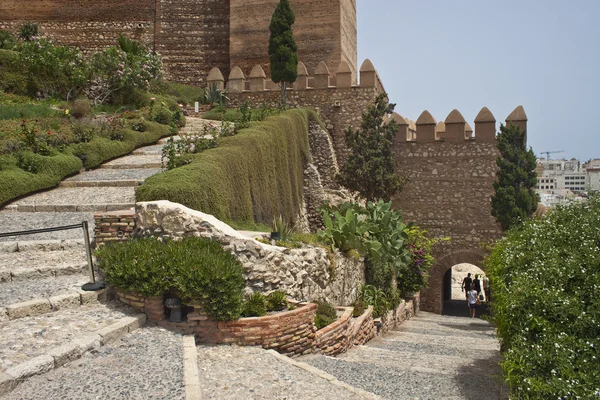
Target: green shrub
x: 7, y: 40
x: 28, y: 31
x: 254, y: 306
x: 276, y: 301
x: 359, y: 308
x: 80, y: 108
x: 26, y: 111
x: 198, y: 269
x: 250, y: 177
x: 376, y: 297
x: 545, y: 280
x: 326, y: 314
x: 162, y: 115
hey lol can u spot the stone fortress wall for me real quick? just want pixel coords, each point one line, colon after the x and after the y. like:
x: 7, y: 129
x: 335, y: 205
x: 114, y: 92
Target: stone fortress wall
x: 451, y: 167
x: 193, y: 35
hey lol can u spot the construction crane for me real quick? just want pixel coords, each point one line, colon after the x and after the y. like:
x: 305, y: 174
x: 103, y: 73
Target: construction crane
x: 547, y: 153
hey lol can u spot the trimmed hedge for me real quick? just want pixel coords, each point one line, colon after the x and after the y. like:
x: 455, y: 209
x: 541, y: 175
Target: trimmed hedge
x: 545, y: 281
x: 15, y: 182
x: 198, y: 269
x: 250, y: 177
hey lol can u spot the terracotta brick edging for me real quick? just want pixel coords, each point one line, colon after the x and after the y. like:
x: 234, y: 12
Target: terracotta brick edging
x: 114, y: 226
x: 292, y: 333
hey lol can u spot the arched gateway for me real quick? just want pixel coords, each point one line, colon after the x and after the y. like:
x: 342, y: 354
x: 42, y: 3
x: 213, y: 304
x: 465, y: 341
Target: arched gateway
x: 451, y: 175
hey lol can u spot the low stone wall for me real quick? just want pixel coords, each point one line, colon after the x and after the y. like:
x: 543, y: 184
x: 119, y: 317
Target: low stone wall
x: 114, y: 226
x: 304, y: 274
x: 336, y: 337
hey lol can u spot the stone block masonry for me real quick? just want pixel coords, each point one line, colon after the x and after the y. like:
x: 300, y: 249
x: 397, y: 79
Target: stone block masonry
x: 114, y: 226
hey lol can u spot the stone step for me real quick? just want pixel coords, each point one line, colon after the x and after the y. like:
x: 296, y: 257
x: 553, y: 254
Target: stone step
x: 467, y: 330
x: 149, y: 150
x: 434, y: 349
x: 28, y: 265
x: 34, y: 345
x: 455, y: 341
x: 144, y: 364
x: 231, y: 373
x: 83, y: 199
x: 13, y: 221
x: 417, y: 361
x: 411, y: 382
x: 134, y: 161
x: 15, y: 292
x: 104, y: 177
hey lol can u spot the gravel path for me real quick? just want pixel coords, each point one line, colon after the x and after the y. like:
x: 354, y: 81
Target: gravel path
x: 37, y: 259
x: 11, y: 221
x: 134, y: 161
x: 231, y: 372
x: 25, y: 338
x: 17, y: 292
x: 144, y: 365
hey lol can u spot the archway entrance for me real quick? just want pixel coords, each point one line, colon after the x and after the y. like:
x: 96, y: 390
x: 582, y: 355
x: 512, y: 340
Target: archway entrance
x: 439, y: 290
x: 454, y: 299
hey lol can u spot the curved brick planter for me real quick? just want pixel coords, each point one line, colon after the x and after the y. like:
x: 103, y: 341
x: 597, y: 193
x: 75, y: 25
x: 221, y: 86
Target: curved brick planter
x: 291, y: 333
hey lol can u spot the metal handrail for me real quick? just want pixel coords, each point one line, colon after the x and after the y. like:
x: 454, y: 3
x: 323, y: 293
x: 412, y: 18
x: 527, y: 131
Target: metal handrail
x: 86, y: 238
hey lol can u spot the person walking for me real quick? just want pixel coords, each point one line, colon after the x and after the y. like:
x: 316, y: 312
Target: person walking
x: 466, y: 285
x: 472, y: 299
x: 486, y: 288
x: 477, y: 284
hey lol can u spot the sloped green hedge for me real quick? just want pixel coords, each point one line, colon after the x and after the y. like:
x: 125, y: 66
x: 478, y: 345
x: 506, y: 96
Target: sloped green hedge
x: 50, y: 170
x: 15, y: 182
x: 250, y: 177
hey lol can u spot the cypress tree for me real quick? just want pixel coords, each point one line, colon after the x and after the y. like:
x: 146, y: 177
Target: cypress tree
x: 369, y: 169
x: 515, y: 198
x: 282, y: 47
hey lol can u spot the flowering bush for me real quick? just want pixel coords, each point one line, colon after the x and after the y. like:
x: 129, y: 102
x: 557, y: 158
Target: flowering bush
x: 54, y: 70
x: 545, y: 278
x: 413, y: 275
x: 123, y: 69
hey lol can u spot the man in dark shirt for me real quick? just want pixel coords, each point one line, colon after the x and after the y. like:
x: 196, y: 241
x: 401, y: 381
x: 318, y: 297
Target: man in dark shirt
x: 466, y: 285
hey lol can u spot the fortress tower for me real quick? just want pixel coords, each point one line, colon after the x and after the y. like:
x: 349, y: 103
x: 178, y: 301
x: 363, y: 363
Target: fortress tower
x: 195, y: 35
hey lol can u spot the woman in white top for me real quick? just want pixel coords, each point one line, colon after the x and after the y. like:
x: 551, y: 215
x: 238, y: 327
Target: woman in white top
x: 472, y: 298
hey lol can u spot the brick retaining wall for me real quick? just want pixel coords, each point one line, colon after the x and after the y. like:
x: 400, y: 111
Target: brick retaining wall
x: 114, y: 226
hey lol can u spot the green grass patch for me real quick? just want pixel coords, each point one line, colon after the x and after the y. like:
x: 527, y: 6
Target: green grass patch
x: 225, y: 114
x: 249, y: 178
x: 27, y: 111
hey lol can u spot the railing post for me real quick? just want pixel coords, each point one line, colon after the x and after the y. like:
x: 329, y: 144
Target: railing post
x: 88, y: 250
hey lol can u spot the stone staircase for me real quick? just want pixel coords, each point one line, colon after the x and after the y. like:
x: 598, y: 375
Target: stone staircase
x: 428, y: 357
x: 46, y: 320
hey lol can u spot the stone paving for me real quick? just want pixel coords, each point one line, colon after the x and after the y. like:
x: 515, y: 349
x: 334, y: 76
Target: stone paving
x: 11, y: 221
x: 20, y: 291
x: 147, y: 364
x: 231, y: 372
x: 428, y: 357
x: 25, y: 338
x: 108, y: 177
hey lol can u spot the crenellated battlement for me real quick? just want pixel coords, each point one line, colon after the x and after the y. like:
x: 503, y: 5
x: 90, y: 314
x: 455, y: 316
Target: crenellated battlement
x: 321, y: 78
x: 455, y: 128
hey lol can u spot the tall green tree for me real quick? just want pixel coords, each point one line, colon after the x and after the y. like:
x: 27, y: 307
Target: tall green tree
x: 282, y: 47
x: 515, y: 199
x: 369, y: 169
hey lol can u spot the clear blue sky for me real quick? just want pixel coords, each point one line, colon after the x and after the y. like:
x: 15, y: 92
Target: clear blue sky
x: 444, y: 54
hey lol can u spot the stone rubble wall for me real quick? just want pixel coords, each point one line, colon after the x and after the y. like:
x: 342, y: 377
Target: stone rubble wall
x: 304, y: 274
x: 406, y: 310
